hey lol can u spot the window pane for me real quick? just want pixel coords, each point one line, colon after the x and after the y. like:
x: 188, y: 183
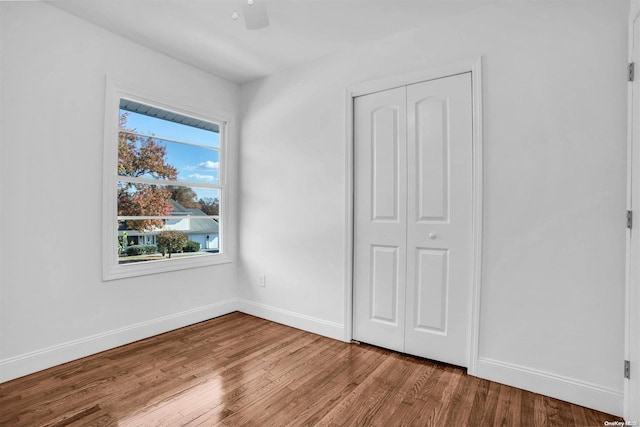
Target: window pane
x: 155, y: 158
x: 141, y: 123
x: 192, y: 229
x: 166, y: 200
x: 157, y: 245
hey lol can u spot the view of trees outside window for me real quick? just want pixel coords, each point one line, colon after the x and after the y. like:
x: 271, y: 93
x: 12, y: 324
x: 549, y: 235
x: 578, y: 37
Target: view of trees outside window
x: 169, y: 186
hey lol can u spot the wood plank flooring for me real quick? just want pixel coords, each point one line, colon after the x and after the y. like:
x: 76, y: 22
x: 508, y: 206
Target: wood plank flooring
x: 240, y: 370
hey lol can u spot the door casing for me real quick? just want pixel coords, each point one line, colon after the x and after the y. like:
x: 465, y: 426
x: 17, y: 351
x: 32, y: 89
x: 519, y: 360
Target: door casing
x: 443, y: 70
x: 632, y: 287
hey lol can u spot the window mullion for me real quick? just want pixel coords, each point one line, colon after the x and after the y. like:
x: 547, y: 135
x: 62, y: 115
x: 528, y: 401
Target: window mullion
x: 166, y: 182
x: 142, y: 217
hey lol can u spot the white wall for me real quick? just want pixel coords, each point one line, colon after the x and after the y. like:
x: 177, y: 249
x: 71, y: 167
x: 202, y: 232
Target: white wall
x: 554, y: 180
x: 54, y: 306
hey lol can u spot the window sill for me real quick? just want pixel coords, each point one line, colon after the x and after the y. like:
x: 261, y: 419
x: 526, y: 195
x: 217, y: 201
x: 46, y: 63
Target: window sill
x: 122, y: 271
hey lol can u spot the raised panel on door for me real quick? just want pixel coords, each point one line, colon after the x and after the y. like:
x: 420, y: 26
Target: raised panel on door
x: 439, y: 239
x: 432, y: 158
x: 384, y: 160
x: 380, y: 219
x: 432, y: 286
x: 383, y: 291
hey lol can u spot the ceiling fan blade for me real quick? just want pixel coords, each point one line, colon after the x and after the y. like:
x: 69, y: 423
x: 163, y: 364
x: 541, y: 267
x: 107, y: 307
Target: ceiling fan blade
x: 255, y: 16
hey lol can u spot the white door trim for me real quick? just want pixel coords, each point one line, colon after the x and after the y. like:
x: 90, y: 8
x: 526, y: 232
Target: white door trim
x: 443, y: 70
x: 633, y: 141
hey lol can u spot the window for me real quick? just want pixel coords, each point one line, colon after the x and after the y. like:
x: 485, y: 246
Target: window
x: 165, y: 189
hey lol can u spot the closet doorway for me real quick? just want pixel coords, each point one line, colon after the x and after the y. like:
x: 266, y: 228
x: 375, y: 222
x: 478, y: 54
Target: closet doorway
x: 414, y: 218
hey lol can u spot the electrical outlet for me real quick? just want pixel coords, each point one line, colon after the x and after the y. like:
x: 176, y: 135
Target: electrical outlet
x: 263, y: 280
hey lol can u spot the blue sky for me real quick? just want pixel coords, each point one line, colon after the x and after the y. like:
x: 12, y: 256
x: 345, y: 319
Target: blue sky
x: 194, y: 164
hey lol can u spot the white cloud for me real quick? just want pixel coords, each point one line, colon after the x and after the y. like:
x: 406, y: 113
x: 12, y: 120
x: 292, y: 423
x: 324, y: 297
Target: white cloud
x: 200, y: 177
x: 209, y: 165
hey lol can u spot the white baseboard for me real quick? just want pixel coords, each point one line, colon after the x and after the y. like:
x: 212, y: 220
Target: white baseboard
x: 38, y: 360
x: 295, y: 320
x: 563, y: 388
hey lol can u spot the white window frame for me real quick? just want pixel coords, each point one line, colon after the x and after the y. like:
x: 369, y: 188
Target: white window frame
x: 111, y: 269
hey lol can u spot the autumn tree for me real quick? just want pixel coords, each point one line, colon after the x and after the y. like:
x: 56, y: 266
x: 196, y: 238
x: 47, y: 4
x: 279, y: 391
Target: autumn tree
x: 185, y: 196
x: 143, y: 157
x: 209, y: 206
x: 172, y: 241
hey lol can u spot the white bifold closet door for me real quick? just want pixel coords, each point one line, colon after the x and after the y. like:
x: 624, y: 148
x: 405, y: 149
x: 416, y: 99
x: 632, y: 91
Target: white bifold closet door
x: 413, y: 236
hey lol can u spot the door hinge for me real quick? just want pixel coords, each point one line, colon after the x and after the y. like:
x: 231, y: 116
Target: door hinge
x: 629, y: 219
x: 627, y: 369
x: 632, y: 71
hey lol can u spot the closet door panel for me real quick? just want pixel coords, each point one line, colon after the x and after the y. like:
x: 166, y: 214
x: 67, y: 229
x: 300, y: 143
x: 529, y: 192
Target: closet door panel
x: 439, y: 243
x: 380, y: 219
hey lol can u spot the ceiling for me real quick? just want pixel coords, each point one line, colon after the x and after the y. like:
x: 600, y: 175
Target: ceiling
x: 202, y: 33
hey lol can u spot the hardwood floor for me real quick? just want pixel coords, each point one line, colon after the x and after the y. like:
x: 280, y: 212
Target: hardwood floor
x: 241, y: 370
